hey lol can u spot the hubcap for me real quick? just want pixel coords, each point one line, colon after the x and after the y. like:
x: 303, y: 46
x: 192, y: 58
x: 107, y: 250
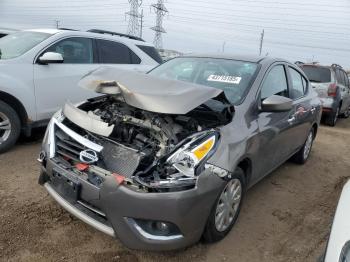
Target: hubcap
x: 5, y: 127
x: 228, y: 205
x: 308, y: 145
x: 336, y: 116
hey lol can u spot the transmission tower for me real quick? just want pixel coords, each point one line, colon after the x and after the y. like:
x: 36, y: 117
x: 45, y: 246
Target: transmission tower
x: 134, y: 15
x: 159, y: 30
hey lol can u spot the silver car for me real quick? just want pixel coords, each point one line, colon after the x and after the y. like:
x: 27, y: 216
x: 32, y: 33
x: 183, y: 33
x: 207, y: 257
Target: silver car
x: 164, y: 158
x: 333, y: 87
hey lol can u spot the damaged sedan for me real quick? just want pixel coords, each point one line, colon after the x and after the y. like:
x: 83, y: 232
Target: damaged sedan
x: 164, y: 159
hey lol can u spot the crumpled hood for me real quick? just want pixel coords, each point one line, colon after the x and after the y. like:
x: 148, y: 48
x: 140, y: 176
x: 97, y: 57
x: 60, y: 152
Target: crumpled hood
x: 148, y: 92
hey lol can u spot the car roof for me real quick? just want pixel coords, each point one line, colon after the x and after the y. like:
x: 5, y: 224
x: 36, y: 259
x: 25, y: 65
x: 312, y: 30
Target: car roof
x: 68, y: 32
x: 247, y: 58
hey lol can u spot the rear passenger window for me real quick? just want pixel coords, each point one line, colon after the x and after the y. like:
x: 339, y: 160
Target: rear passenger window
x: 116, y: 53
x: 298, y: 84
x: 275, y: 83
x: 338, y: 75
x: 152, y: 52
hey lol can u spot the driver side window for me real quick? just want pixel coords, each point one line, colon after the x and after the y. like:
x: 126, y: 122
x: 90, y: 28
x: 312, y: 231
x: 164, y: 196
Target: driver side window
x: 75, y: 50
x: 275, y: 83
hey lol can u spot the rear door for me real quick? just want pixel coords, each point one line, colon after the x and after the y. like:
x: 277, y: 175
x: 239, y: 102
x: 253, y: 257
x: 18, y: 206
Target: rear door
x: 345, y: 91
x: 57, y: 83
x: 118, y: 55
x: 304, y: 111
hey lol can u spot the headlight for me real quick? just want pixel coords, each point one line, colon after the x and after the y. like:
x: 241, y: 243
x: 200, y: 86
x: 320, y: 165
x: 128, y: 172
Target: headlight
x: 188, y: 157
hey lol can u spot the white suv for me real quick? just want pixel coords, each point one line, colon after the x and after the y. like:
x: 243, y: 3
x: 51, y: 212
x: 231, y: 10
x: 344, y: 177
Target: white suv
x: 40, y: 69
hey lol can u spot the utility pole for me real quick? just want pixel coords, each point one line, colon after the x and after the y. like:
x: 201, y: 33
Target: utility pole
x: 57, y: 22
x: 160, y: 10
x: 261, y: 41
x: 141, y: 23
x: 134, y: 15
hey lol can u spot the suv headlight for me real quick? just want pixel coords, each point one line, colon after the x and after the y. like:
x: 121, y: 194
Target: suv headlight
x: 192, y: 154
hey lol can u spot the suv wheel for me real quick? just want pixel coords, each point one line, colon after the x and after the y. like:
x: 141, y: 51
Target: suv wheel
x: 303, y: 154
x: 346, y: 114
x: 10, y: 127
x: 226, y: 209
x: 331, y: 120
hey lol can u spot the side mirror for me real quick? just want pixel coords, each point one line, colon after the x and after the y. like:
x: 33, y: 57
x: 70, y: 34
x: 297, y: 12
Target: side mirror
x: 50, y: 58
x: 276, y: 103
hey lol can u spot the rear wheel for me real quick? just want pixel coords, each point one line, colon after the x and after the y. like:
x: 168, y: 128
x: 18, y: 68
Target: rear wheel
x: 303, y: 154
x: 331, y: 120
x: 10, y: 127
x: 226, y: 209
x: 346, y: 114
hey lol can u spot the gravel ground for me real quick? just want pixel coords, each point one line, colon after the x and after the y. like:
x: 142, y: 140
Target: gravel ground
x: 285, y: 217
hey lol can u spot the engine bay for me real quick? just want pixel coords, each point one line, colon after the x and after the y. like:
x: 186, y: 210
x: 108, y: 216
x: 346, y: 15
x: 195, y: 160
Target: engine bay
x: 141, y: 141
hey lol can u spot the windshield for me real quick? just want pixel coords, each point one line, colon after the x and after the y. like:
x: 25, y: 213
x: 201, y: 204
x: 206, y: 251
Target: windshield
x: 17, y: 44
x: 231, y: 76
x: 317, y: 74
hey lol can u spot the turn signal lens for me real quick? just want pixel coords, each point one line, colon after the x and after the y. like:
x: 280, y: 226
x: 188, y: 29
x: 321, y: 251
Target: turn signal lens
x: 203, y: 149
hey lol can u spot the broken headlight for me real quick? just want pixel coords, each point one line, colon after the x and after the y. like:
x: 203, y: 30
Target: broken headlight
x: 191, y: 155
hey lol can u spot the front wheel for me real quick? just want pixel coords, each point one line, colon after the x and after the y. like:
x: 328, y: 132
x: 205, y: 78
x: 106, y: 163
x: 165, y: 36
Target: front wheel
x: 226, y: 209
x: 303, y: 154
x: 10, y: 127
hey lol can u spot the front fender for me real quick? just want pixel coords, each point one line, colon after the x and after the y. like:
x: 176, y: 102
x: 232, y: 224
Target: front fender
x: 16, y: 80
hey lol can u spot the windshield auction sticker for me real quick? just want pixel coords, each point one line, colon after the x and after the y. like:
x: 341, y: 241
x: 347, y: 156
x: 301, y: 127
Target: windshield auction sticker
x: 225, y: 79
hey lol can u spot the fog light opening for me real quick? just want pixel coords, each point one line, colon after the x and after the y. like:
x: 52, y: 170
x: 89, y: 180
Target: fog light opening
x: 156, y: 228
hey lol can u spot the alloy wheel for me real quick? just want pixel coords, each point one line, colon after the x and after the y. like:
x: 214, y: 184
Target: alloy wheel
x: 308, y: 145
x: 5, y: 127
x: 228, y: 205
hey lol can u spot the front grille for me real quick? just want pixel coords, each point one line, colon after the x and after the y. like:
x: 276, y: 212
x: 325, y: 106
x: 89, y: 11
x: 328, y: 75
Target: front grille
x: 66, y: 147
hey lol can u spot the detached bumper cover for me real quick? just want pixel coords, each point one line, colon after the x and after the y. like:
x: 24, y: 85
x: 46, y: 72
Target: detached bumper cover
x: 119, y: 206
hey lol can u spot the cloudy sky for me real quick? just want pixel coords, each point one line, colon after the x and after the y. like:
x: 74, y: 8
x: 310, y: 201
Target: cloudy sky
x: 313, y: 30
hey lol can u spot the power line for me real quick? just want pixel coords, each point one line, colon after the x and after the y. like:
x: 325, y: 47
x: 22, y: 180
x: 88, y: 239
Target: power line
x: 258, y: 26
x: 260, y: 6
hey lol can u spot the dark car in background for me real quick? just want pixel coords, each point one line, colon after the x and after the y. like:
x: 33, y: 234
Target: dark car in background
x: 165, y: 158
x: 333, y: 87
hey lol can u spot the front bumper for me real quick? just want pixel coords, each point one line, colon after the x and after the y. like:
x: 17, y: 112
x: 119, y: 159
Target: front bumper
x: 113, y: 209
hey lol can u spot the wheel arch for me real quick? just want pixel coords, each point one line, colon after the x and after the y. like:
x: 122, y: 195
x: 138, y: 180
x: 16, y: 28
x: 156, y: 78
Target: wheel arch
x: 246, y: 165
x: 315, y: 128
x: 16, y: 105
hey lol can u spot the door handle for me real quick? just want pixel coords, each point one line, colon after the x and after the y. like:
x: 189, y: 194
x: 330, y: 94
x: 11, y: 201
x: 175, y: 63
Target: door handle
x: 291, y: 119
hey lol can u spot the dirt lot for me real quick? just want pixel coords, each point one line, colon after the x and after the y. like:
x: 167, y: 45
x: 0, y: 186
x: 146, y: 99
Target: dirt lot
x: 286, y: 217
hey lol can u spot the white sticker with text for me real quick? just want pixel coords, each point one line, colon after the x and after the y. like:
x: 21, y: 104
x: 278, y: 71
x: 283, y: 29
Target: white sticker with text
x: 225, y: 79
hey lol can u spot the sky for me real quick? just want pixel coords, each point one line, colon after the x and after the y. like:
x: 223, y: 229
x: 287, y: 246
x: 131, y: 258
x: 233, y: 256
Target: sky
x: 312, y: 30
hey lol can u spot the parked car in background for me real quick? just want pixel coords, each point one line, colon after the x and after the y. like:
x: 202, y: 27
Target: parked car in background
x: 338, y: 246
x: 333, y: 87
x: 6, y: 31
x: 164, y: 158
x: 40, y: 70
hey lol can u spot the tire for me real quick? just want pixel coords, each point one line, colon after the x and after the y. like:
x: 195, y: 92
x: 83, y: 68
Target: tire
x: 213, y: 232
x: 331, y: 120
x: 303, y: 154
x: 10, y: 127
x: 346, y: 114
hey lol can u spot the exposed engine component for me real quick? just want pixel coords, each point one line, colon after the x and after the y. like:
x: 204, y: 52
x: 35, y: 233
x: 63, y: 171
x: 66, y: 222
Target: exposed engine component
x: 141, y: 145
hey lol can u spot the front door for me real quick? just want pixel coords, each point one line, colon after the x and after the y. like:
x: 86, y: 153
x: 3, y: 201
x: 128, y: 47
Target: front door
x: 275, y: 133
x: 57, y: 83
